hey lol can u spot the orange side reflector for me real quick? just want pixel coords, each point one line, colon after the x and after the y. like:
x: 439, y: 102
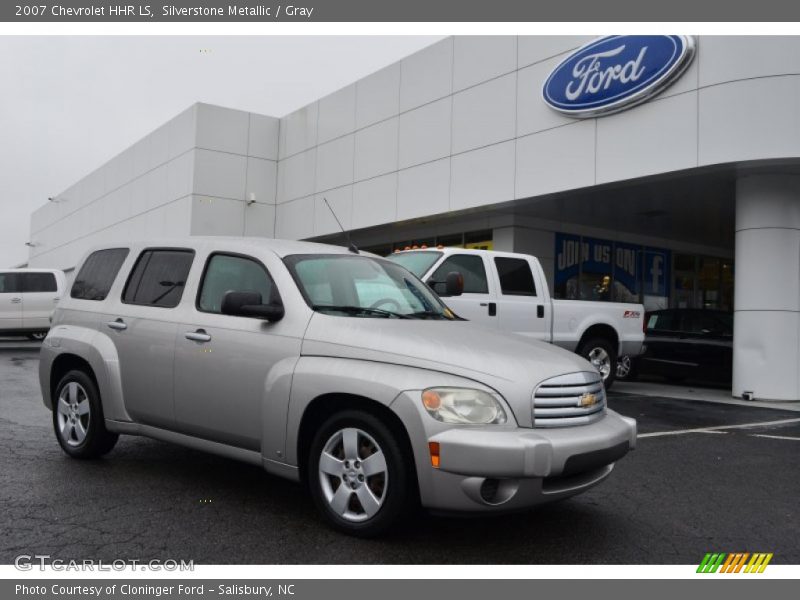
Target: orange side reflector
x: 434, y: 449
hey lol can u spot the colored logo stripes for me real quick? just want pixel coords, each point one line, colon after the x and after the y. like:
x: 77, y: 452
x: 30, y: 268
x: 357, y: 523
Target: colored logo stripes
x: 735, y: 562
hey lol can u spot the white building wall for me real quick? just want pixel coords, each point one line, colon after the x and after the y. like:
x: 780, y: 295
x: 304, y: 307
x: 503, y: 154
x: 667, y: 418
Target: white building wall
x: 461, y: 124
x: 208, y: 170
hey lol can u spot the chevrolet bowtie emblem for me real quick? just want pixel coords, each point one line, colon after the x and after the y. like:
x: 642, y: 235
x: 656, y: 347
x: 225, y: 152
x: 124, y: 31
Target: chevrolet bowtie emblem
x: 588, y: 400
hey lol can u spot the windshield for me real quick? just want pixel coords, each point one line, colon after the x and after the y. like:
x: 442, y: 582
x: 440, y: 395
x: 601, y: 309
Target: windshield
x: 363, y: 286
x: 416, y: 262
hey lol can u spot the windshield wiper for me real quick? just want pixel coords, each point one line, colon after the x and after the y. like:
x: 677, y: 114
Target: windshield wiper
x: 360, y: 309
x: 425, y: 314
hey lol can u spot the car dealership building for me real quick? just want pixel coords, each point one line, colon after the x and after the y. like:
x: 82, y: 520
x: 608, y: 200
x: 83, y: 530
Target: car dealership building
x: 669, y: 187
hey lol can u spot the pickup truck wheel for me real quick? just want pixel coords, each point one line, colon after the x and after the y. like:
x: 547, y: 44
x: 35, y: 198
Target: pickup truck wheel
x: 358, y: 474
x: 78, y: 418
x: 600, y: 352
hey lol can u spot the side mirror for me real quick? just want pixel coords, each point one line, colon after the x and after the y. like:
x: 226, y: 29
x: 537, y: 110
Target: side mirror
x: 454, y: 284
x: 248, y: 304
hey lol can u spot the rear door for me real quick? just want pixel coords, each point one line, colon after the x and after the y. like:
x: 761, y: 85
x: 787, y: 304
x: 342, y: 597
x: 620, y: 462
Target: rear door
x: 39, y: 297
x: 143, y: 326
x: 520, y: 308
x: 10, y: 301
x: 479, y: 300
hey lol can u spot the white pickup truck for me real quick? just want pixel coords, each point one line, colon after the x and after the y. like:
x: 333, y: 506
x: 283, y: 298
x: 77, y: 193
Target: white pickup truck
x: 509, y: 292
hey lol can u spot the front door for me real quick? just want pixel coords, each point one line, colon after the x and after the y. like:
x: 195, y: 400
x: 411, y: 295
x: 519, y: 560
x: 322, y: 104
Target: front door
x: 10, y: 302
x: 223, y: 363
x: 479, y: 301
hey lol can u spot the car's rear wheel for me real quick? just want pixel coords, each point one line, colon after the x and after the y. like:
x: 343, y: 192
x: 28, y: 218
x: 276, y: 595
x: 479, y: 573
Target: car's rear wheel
x: 358, y: 474
x: 600, y: 352
x: 78, y: 417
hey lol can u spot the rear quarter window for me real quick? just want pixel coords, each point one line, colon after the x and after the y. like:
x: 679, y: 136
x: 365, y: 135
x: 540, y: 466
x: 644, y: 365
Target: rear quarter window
x: 97, y: 274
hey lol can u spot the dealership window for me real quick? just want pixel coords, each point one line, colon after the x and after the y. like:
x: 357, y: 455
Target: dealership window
x: 703, y: 282
x: 476, y: 240
x: 596, y: 269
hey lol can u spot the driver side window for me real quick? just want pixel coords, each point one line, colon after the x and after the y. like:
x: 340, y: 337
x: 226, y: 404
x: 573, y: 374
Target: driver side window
x: 226, y: 273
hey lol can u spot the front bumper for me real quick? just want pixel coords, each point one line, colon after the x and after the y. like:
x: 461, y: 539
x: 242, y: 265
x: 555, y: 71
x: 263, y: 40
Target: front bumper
x: 496, y: 468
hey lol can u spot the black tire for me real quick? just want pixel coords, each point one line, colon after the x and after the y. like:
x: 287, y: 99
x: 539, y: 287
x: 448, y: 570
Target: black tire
x: 37, y: 336
x: 589, y: 347
x: 97, y: 440
x: 398, y: 485
x: 632, y: 373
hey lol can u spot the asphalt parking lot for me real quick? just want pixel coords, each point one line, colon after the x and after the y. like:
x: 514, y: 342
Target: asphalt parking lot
x: 729, y: 484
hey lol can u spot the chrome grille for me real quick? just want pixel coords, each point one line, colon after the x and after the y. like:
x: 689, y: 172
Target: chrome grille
x: 561, y: 401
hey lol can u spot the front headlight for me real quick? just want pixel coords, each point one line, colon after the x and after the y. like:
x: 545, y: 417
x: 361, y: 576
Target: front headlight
x: 462, y: 405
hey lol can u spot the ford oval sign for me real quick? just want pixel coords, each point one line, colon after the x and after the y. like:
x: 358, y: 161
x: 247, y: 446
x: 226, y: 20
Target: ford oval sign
x: 616, y: 72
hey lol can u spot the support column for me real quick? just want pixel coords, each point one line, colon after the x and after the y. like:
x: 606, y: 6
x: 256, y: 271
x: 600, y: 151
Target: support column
x: 766, y: 340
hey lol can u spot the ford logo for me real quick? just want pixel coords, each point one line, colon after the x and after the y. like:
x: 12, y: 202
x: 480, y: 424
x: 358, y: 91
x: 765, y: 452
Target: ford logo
x: 616, y: 72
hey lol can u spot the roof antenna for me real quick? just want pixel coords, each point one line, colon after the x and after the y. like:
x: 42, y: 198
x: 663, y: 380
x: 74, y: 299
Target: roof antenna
x: 350, y: 245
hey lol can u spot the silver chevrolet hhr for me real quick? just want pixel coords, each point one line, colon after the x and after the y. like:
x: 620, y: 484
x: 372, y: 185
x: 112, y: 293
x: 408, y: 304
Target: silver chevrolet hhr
x: 327, y: 366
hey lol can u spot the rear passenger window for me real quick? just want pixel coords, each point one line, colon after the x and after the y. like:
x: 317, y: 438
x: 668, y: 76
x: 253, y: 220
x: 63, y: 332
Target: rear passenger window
x: 470, y: 266
x: 158, y: 278
x: 9, y: 283
x: 97, y: 274
x: 225, y: 273
x: 516, y: 278
x: 39, y: 282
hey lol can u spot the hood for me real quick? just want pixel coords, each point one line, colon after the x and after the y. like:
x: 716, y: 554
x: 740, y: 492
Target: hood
x: 509, y: 363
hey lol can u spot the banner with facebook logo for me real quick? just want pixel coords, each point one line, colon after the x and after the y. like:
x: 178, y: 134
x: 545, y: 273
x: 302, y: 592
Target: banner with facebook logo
x: 656, y: 281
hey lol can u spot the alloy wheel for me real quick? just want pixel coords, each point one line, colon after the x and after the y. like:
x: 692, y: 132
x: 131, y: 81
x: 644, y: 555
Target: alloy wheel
x: 74, y: 413
x: 601, y: 361
x: 353, y: 474
x: 623, y: 366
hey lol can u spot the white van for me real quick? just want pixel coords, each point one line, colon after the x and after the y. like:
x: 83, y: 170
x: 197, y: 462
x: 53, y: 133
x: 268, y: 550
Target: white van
x: 27, y: 299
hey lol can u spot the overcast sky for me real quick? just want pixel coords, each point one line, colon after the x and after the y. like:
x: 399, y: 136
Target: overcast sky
x: 68, y: 104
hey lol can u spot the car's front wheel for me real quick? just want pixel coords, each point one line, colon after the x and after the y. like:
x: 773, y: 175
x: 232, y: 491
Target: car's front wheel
x: 359, y: 474
x: 78, y: 417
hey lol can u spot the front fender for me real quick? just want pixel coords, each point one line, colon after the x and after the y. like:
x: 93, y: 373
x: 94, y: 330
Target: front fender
x: 315, y: 376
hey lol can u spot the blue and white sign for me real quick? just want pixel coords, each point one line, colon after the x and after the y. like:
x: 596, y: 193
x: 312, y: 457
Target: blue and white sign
x: 616, y: 72
x: 657, y: 272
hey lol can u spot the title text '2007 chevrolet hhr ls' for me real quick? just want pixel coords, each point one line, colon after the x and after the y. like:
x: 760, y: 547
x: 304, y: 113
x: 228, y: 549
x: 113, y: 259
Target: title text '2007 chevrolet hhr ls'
x: 326, y: 366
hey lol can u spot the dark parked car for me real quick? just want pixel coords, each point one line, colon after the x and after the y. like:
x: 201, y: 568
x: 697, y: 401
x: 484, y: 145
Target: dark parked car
x: 684, y: 344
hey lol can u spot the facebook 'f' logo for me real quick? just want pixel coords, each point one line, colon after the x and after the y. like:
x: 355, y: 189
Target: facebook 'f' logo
x: 656, y: 272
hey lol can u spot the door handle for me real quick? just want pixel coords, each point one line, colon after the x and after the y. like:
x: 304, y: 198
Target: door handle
x: 16, y: 300
x: 117, y: 324
x: 492, y: 309
x: 540, y: 311
x: 198, y: 336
